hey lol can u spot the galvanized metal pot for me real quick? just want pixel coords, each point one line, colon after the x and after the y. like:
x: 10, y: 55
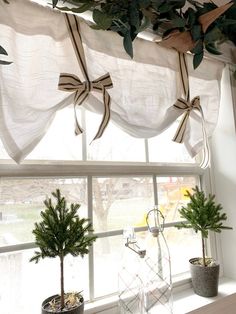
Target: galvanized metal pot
x: 205, y: 280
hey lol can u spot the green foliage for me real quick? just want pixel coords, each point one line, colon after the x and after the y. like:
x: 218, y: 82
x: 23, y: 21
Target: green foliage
x: 202, y: 214
x: 128, y: 18
x: 3, y: 52
x: 61, y: 230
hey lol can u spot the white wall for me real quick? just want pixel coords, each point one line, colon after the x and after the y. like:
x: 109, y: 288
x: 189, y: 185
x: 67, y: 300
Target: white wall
x: 224, y: 174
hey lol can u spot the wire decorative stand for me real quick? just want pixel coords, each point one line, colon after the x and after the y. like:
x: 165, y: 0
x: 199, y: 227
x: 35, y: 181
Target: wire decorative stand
x: 145, y: 284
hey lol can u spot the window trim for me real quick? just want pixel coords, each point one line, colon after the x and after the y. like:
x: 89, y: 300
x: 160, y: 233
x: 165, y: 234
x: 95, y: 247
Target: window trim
x: 46, y: 169
x: 90, y: 170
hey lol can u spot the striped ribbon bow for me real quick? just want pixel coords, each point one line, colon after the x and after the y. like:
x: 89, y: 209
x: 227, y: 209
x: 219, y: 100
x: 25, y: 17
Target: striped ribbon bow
x: 186, y: 106
x: 71, y: 83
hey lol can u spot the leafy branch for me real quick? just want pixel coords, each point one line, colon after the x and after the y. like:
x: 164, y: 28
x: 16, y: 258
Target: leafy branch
x: 61, y: 232
x: 129, y: 17
x: 202, y: 215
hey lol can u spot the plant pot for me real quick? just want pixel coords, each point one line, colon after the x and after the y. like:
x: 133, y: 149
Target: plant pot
x: 77, y: 310
x: 204, y: 279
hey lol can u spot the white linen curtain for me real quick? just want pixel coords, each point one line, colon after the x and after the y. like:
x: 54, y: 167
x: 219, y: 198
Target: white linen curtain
x: 145, y: 88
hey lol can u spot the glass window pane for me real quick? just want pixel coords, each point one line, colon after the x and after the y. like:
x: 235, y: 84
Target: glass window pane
x: 114, y: 145
x: 163, y: 149
x: 171, y: 195
x: 110, y: 253
x: 21, y: 201
x: 3, y: 153
x: 107, y: 257
x: 121, y: 201
x: 183, y: 245
x: 60, y: 142
x: 25, y: 285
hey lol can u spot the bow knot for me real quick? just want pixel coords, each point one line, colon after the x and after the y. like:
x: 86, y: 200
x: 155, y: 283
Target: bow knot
x: 71, y: 83
x: 185, y: 106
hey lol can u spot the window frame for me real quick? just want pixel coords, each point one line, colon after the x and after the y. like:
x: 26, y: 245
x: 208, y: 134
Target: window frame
x: 89, y: 170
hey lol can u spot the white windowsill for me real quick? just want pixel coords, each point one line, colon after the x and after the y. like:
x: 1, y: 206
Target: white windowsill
x: 184, y: 301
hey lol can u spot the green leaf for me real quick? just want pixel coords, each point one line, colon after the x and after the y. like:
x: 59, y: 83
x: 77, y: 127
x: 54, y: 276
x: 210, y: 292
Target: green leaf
x: 190, y: 16
x: 5, y: 62
x: 178, y: 4
x: 165, y: 7
x: 210, y: 47
x: 54, y: 3
x: 213, y: 35
x: 197, y: 59
x: 227, y: 22
x: 178, y: 22
x: 133, y: 12
x: 102, y: 19
x: 198, y: 48
x: 3, y: 51
x: 144, y: 3
x: 128, y: 45
x: 81, y: 9
x: 196, y: 32
x: 95, y: 26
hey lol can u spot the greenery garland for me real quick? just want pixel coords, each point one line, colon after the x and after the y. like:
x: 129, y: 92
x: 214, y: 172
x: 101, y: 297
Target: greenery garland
x: 129, y: 17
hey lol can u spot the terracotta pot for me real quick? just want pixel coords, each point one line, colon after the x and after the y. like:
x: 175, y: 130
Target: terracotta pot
x: 182, y: 41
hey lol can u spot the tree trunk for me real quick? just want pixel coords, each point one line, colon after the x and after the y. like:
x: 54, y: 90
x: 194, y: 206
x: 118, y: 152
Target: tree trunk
x: 62, y: 281
x: 203, y: 251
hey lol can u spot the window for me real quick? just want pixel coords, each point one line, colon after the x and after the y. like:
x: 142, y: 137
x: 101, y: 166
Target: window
x: 115, y: 181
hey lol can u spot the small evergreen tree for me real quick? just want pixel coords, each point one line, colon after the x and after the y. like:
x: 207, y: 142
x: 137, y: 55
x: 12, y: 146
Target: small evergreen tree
x: 62, y: 232
x: 202, y: 214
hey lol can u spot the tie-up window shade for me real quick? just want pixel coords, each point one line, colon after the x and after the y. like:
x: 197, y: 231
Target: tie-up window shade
x: 144, y: 89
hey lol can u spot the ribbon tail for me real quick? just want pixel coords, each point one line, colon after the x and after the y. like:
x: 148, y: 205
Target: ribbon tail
x: 79, y: 98
x: 106, y: 115
x: 206, y: 158
x: 78, y: 129
x: 180, y: 132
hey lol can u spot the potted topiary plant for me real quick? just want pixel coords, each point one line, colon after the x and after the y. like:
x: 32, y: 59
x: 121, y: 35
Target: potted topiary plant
x: 202, y: 214
x: 62, y: 232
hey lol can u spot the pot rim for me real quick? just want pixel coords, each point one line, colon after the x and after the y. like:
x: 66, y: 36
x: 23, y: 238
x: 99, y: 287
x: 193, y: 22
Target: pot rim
x: 191, y: 260
x: 47, y: 300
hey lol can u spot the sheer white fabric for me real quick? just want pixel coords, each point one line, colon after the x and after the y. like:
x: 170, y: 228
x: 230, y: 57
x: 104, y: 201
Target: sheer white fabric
x: 145, y: 88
